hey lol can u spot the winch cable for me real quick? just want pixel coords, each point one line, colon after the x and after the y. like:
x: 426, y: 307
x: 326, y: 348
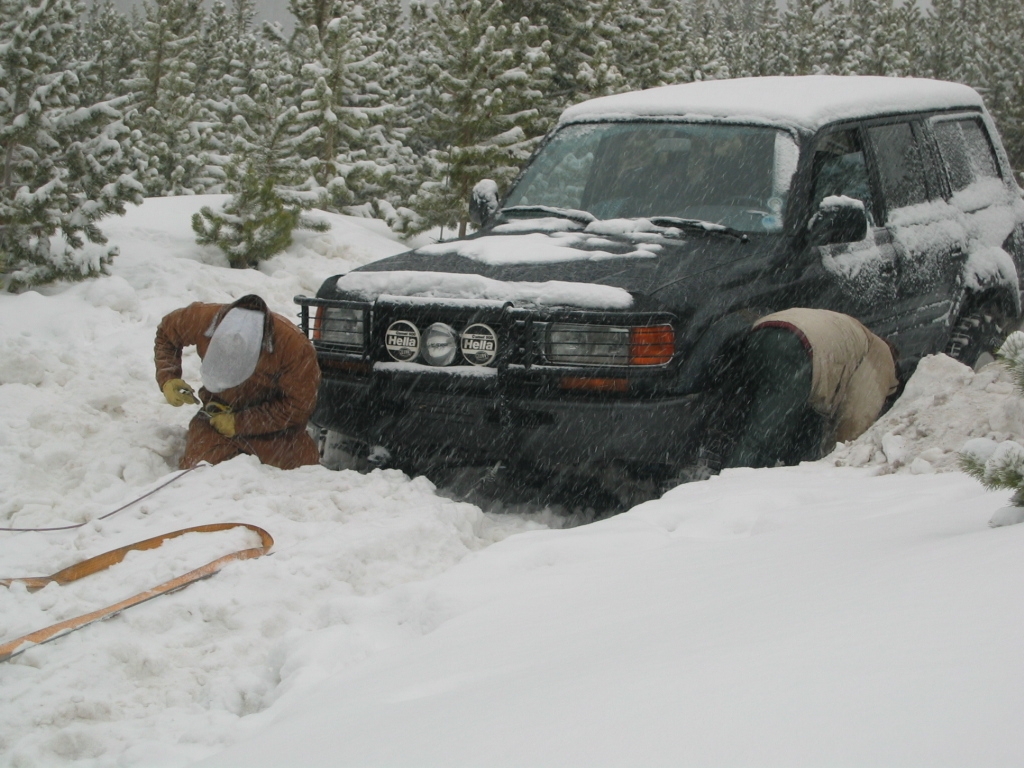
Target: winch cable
x: 101, y: 562
x: 109, y: 514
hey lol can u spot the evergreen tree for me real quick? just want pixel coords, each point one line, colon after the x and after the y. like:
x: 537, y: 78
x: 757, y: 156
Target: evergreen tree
x: 64, y: 163
x: 340, y: 95
x: 229, y: 47
x: 706, y: 46
x: 879, y: 38
x: 107, y: 44
x: 1001, y: 466
x: 271, y: 173
x: 583, y: 48
x: 1000, y: 70
x: 487, y: 79
x: 809, y: 38
x: 762, y: 50
x: 168, y: 105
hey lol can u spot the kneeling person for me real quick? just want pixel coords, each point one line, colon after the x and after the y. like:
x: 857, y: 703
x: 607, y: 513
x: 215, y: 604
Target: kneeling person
x: 260, y: 378
x: 813, y: 378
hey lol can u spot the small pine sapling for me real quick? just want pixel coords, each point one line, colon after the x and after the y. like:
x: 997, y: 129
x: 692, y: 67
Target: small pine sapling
x: 1000, y: 466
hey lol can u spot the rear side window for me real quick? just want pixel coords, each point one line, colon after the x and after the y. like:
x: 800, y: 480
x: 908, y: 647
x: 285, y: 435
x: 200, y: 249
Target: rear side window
x: 966, y: 152
x: 900, y: 164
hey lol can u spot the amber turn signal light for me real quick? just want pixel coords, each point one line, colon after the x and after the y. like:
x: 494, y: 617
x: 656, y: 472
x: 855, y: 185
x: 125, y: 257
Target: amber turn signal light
x: 651, y: 345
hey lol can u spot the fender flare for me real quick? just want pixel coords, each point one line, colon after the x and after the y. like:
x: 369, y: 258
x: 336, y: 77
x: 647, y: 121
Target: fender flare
x: 709, y: 360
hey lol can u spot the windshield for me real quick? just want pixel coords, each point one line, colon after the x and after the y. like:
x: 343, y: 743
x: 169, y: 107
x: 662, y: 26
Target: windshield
x: 737, y: 176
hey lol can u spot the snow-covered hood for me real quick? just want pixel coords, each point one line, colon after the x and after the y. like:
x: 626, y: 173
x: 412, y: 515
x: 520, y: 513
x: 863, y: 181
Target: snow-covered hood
x: 605, y: 265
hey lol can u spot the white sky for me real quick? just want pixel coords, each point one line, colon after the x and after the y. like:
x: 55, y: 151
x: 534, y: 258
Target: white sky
x: 269, y: 10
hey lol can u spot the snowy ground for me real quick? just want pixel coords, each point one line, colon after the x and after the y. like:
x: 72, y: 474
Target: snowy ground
x: 855, y: 611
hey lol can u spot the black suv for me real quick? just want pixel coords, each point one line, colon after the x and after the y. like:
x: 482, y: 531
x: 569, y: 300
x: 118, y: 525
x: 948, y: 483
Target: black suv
x: 588, y: 319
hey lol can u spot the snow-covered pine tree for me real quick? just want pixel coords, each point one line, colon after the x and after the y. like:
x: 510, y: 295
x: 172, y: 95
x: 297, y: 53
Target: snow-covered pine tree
x: 647, y: 37
x: 879, y: 37
x: 107, y: 43
x: 345, y: 60
x: 489, y: 79
x: 703, y: 54
x: 762, y: 51
x: 168, y: 105
x: 1000, y: 466
x: 392, y: 130
x: 229, y: 48
x: 809, y: 36
x: 272, y: 166
x: 1000, y: 70
x: 583, y: 48
x: 221, y: 42
x: 947, y: 49
x: 64, y: 163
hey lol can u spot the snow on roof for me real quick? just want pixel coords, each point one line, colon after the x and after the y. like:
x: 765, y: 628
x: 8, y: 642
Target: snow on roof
x: 802, y: 102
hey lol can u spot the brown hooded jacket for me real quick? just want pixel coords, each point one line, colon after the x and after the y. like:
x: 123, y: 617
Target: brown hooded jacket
x: 271, y: 407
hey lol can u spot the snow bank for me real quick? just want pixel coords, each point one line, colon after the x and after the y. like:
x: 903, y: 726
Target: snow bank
x: 801, y: 616
x: 84, y: 428
x: 944, y: 405
x: 815, y: 615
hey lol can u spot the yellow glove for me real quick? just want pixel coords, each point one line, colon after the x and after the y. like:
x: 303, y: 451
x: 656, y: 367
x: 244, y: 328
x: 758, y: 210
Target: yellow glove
x: 178, y: 392
x: 224, y: 423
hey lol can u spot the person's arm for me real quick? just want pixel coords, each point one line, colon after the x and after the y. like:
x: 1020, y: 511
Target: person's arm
x: 297, y: 385
x: 179, y: 329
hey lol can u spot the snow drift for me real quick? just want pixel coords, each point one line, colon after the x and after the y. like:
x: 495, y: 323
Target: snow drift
x: 854, y: 611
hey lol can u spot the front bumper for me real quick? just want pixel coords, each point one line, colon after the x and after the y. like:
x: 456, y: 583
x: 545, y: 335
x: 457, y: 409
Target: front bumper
x: 466, y: 417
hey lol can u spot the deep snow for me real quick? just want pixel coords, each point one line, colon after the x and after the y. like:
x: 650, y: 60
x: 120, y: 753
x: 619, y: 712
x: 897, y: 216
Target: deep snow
x: 854, y: 611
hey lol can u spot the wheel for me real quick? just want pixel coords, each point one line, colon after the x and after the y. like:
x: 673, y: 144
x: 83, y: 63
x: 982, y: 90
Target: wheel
x: 339, y: 451
x: 978, y: 333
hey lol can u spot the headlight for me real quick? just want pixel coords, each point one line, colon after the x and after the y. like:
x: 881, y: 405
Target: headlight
x: 572, y: 344
x: 579, y: 344
x: 342, y: 326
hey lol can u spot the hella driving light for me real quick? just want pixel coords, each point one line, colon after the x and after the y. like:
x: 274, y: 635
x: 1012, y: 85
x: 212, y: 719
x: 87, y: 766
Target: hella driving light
x: 440, y: 344
x: 402, y: 340
x: 479, y: 344
x: 342, y: 326
x: 577, y: 344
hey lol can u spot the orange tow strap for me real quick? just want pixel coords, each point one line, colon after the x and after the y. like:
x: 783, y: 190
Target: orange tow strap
x: 114, y: 556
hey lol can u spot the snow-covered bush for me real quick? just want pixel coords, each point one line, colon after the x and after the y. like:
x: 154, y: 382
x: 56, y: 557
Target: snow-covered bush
x: 1000, y: 466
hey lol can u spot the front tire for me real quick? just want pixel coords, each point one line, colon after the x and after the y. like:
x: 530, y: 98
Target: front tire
x: 978, y: 334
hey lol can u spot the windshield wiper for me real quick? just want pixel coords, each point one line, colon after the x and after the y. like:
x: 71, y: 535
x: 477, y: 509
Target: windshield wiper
x: 698, y: 226
x: 533, y: 211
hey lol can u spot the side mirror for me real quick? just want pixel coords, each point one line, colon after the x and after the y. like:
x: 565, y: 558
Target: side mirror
x: 839, y: 219
x: 483, y: 202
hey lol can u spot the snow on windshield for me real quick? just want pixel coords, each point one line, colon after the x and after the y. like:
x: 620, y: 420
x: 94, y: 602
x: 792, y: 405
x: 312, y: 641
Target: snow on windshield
x: 737, y: 176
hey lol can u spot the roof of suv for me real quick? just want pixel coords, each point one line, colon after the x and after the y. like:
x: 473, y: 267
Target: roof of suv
x: 801, y: 102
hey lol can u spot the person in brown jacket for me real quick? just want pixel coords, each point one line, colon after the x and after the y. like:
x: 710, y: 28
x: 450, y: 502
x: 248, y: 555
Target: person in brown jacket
x: 260, y: 378
x: 812, y: 377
